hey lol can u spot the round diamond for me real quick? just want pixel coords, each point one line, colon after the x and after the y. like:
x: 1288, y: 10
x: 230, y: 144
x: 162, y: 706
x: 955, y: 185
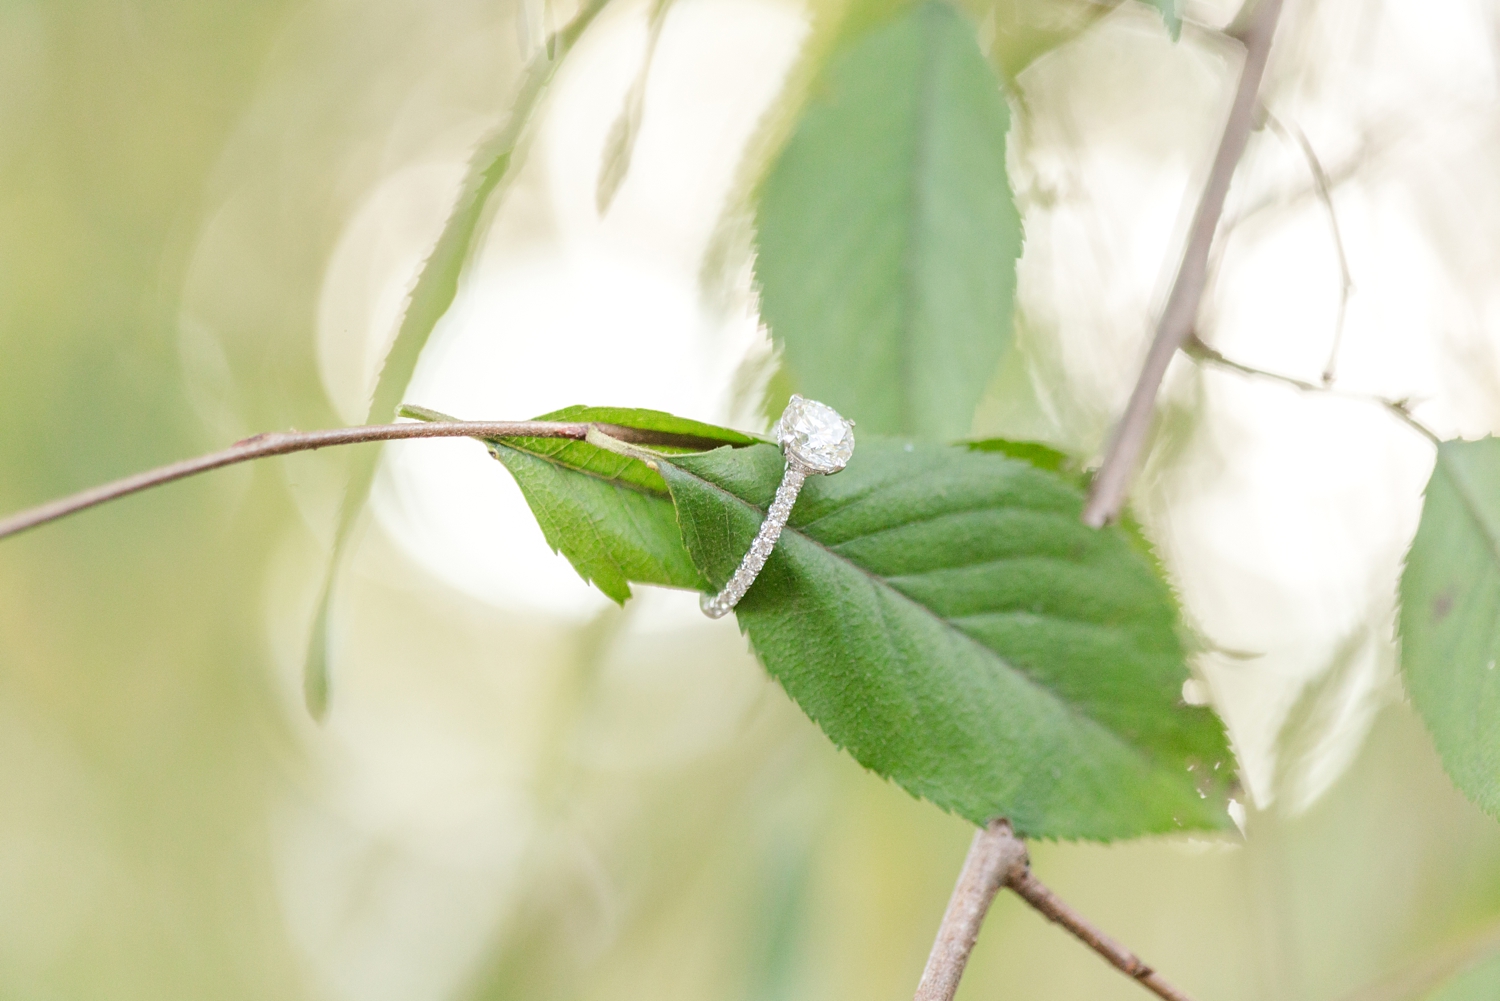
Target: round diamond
x: 815, y: 435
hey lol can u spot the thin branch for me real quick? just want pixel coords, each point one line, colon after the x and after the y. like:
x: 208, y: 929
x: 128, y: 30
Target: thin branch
x: 1031, y: 890
x: 998, y: 858
x: 1401, y: 409
x: 993, y: 855
x: 1324, y: 187
x: 1107, y: 492
x: 1375, y: 144
x: 286, y: 442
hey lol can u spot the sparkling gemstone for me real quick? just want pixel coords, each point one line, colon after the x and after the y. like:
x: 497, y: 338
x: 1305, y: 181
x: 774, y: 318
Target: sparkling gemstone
x: 815, y: 435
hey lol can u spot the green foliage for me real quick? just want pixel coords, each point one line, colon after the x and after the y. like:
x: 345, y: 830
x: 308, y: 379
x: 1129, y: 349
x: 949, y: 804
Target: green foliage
x: 887, y: 234
x: 939, y: 611
x: 943, y: 615
x: 660, y: 422
x: 1036, y: 454
x: 610, y: 530
x: 608, y: 512
x: 1480, y: 982
x: 616, y: 523
x: 1450, y: 606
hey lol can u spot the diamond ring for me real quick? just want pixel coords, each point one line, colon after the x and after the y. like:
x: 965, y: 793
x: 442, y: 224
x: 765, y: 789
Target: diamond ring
x: 816, y: 441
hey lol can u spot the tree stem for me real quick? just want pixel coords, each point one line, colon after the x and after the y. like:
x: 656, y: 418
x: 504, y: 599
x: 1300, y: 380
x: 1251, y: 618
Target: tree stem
x: 1179, y: 316
x: 286, y: 442
x: 994, y: 853
x: 998, y: 858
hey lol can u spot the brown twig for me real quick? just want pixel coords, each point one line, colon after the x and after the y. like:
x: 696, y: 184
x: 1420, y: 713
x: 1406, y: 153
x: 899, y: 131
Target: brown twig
x: 1031, y: 890
x: 993, y: 855
x: 286, y: 442
x: 998, y: 858
x: 1324, y: 186
x: 1179, y: 316
x: 1401, y: 409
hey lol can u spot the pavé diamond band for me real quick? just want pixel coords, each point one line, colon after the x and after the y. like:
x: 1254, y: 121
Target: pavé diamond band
x: 816, y: 442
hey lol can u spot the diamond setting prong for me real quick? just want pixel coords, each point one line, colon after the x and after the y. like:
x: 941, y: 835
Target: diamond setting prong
x: 815, y: 436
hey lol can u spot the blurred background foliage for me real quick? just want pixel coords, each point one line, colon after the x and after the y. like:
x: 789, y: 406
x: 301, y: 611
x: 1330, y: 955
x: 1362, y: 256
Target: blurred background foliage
x: 209, y: 214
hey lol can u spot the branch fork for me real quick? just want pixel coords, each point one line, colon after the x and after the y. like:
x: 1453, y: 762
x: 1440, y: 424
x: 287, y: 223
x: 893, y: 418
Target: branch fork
x: 998, y: 859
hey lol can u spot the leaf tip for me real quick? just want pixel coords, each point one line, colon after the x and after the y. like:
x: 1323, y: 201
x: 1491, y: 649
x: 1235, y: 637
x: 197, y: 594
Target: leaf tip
x: 315, y: 667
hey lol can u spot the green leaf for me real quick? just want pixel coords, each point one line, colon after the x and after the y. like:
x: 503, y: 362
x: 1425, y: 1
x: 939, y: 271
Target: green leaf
x: 691, y: 435
x: 607, y: 511
x: 436, y: 286
x: 615, y: 524
x: 612, y: 531
x: 943, y: 615
x: 1036, y: 454
x: 1071, y: 469
x: 1480, y: 982
x: 887, y: 234
x: 1450, y: 616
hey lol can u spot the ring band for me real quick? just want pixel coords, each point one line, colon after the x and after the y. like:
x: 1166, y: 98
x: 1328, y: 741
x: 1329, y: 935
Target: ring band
x: 816, y: 442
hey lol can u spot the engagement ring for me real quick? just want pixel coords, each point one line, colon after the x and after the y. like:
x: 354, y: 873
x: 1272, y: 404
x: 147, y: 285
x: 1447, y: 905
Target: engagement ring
x: 816, y: 441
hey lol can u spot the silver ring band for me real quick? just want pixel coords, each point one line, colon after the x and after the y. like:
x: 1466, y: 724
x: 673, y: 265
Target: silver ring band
x: 816, y: 441
x: 719, y: 605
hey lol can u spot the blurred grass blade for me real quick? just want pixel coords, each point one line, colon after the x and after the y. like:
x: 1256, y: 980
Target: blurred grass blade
x: 1450, y: 607
x: 887, y: 233
x: 944, y: 616
x: 493, y: 164
x: 619, y: 145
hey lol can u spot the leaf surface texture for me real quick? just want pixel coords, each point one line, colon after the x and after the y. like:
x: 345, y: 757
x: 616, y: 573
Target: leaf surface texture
x: 943, y: 615
x: 1450, y: 616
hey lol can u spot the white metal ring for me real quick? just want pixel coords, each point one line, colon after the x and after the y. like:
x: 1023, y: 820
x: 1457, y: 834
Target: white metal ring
x: 816, y: 441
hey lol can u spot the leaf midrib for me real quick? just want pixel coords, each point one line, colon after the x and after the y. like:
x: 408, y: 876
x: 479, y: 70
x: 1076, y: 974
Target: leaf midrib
x: 880, y: 582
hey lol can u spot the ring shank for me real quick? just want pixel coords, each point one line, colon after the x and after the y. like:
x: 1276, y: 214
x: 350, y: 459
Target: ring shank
x: 720, y: 605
